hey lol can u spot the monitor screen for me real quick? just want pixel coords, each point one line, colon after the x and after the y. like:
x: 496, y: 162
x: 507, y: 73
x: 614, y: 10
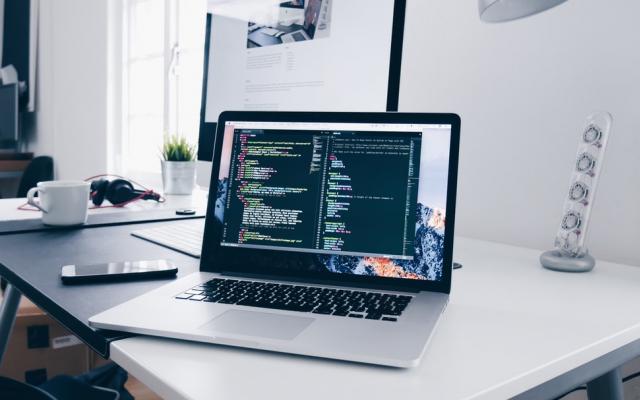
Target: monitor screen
x: 313, y: 55
x: 349, y: 198
x: 8, y: 115
x: 312, y: 18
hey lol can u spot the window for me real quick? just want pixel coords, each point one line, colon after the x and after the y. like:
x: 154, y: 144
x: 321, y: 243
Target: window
x: 163, y: 61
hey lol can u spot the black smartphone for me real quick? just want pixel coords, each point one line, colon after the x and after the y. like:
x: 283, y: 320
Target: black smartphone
x: 118, y: 271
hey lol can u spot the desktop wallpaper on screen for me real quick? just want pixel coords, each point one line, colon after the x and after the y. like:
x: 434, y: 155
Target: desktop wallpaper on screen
x: 430, y: 215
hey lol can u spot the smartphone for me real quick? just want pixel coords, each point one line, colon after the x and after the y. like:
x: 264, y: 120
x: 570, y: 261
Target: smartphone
x: 118, y: 271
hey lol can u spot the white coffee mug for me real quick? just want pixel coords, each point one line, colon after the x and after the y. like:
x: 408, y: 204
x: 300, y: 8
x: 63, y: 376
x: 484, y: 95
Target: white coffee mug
x: 61, y: 202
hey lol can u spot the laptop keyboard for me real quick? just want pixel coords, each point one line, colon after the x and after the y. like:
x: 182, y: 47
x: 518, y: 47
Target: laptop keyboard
x: 338, y: 302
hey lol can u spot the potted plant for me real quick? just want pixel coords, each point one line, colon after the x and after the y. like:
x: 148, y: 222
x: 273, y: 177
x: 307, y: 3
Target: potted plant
x: 178, y: 165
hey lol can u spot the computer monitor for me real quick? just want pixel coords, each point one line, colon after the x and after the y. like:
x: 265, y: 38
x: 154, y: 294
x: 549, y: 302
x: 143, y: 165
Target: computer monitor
x: 302, y: 55
x: 9, y: 113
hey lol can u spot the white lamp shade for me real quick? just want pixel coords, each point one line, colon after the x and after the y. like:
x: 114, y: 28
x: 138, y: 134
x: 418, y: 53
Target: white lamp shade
x: 507, y: 10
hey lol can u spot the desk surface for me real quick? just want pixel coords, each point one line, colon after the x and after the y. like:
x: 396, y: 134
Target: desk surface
x: 32, y: 263
x: 14, y: 220
x: 9, y: 211
x: 510, y: 326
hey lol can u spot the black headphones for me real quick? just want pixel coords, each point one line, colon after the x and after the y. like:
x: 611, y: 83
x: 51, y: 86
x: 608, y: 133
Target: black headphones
x: 119, y: 192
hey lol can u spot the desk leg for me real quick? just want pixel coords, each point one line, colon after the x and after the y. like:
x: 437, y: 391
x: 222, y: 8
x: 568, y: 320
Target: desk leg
x: 8, y: 310
x: 606, y: 387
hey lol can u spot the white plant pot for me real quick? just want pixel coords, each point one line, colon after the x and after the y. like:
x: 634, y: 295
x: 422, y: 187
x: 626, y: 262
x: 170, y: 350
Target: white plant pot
x: 178, y: 177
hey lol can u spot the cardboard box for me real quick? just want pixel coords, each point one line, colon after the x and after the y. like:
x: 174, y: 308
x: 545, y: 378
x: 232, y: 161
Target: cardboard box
x: 40, y: 348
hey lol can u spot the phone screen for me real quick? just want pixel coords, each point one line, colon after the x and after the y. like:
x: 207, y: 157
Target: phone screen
x: 117, y: 268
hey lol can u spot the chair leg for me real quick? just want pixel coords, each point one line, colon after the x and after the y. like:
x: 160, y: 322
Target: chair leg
x: 8, y: 310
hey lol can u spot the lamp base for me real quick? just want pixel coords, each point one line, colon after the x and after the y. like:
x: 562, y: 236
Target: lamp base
x: 557, y: 261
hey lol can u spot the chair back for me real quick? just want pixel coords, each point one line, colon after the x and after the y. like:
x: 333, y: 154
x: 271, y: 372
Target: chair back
x: 14, y: 390
x: 39, y: 169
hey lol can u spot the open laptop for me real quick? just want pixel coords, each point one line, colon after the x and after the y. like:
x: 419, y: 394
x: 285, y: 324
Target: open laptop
x: 311, y: 20
x: 331, y: 235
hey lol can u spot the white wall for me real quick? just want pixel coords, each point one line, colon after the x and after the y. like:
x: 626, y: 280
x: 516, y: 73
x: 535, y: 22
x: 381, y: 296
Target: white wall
x: 523, y: 90
x: 73, y: 96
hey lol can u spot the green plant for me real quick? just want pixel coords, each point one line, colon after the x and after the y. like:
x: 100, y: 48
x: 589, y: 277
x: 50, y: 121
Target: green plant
x: 176, y: 148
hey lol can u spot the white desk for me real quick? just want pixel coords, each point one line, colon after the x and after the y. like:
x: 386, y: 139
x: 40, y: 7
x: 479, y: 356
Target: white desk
x: 198, y: 200
x: 510, y: 327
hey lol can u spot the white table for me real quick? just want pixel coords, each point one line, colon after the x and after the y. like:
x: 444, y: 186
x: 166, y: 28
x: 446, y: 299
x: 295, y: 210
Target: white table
x: 510, y: 327
x: 198, y: 200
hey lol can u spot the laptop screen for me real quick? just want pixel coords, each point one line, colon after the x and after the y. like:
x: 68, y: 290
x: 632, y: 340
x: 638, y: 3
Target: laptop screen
x: 347, y: 198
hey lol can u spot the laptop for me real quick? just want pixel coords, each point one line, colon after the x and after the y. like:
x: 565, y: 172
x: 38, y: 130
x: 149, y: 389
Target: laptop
x: 311, y: 19
x: 331, y: 235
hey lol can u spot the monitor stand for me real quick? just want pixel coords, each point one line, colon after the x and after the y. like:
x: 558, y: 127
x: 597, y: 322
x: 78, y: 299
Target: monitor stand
x: 203, y: 174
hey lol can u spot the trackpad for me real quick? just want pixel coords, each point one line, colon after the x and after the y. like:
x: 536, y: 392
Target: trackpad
x: 259, y: 324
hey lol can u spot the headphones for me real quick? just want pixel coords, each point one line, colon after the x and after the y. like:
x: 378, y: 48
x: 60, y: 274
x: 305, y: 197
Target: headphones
x: 119, y: 192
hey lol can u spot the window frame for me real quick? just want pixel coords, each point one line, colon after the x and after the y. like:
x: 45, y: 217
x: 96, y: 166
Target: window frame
x: 172, y: 49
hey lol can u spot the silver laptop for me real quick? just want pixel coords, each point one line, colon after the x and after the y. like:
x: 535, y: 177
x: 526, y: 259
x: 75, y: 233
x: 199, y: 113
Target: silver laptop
x: 331, y: 235
x: 311, y: 21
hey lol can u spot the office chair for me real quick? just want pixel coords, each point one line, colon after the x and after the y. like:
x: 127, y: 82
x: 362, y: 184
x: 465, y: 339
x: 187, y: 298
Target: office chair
x: 39, y: 169
x: 14, y: 390
x: 63, y: 387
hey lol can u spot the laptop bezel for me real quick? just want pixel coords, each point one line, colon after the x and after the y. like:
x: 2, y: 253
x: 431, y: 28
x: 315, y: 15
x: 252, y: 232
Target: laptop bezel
x: 211, y: 240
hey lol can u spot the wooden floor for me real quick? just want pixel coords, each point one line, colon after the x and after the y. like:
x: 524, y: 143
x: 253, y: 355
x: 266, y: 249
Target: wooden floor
x: 139, y: 391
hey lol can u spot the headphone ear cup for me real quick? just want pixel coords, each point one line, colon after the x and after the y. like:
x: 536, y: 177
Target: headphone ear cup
x: 98, y: 191
x: 120, y: 191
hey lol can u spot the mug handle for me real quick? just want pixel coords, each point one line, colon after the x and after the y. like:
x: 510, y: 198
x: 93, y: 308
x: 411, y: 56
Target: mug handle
x: 31, y: 201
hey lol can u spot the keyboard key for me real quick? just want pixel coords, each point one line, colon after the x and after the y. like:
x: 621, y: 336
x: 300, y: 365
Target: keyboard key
x: 184, y: 236
x: 277, y: 306
x: 325, y: 301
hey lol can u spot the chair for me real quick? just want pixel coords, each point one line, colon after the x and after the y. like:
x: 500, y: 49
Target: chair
x: 39, y: 169
x: 63, y: 387
x: 14, y: 390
